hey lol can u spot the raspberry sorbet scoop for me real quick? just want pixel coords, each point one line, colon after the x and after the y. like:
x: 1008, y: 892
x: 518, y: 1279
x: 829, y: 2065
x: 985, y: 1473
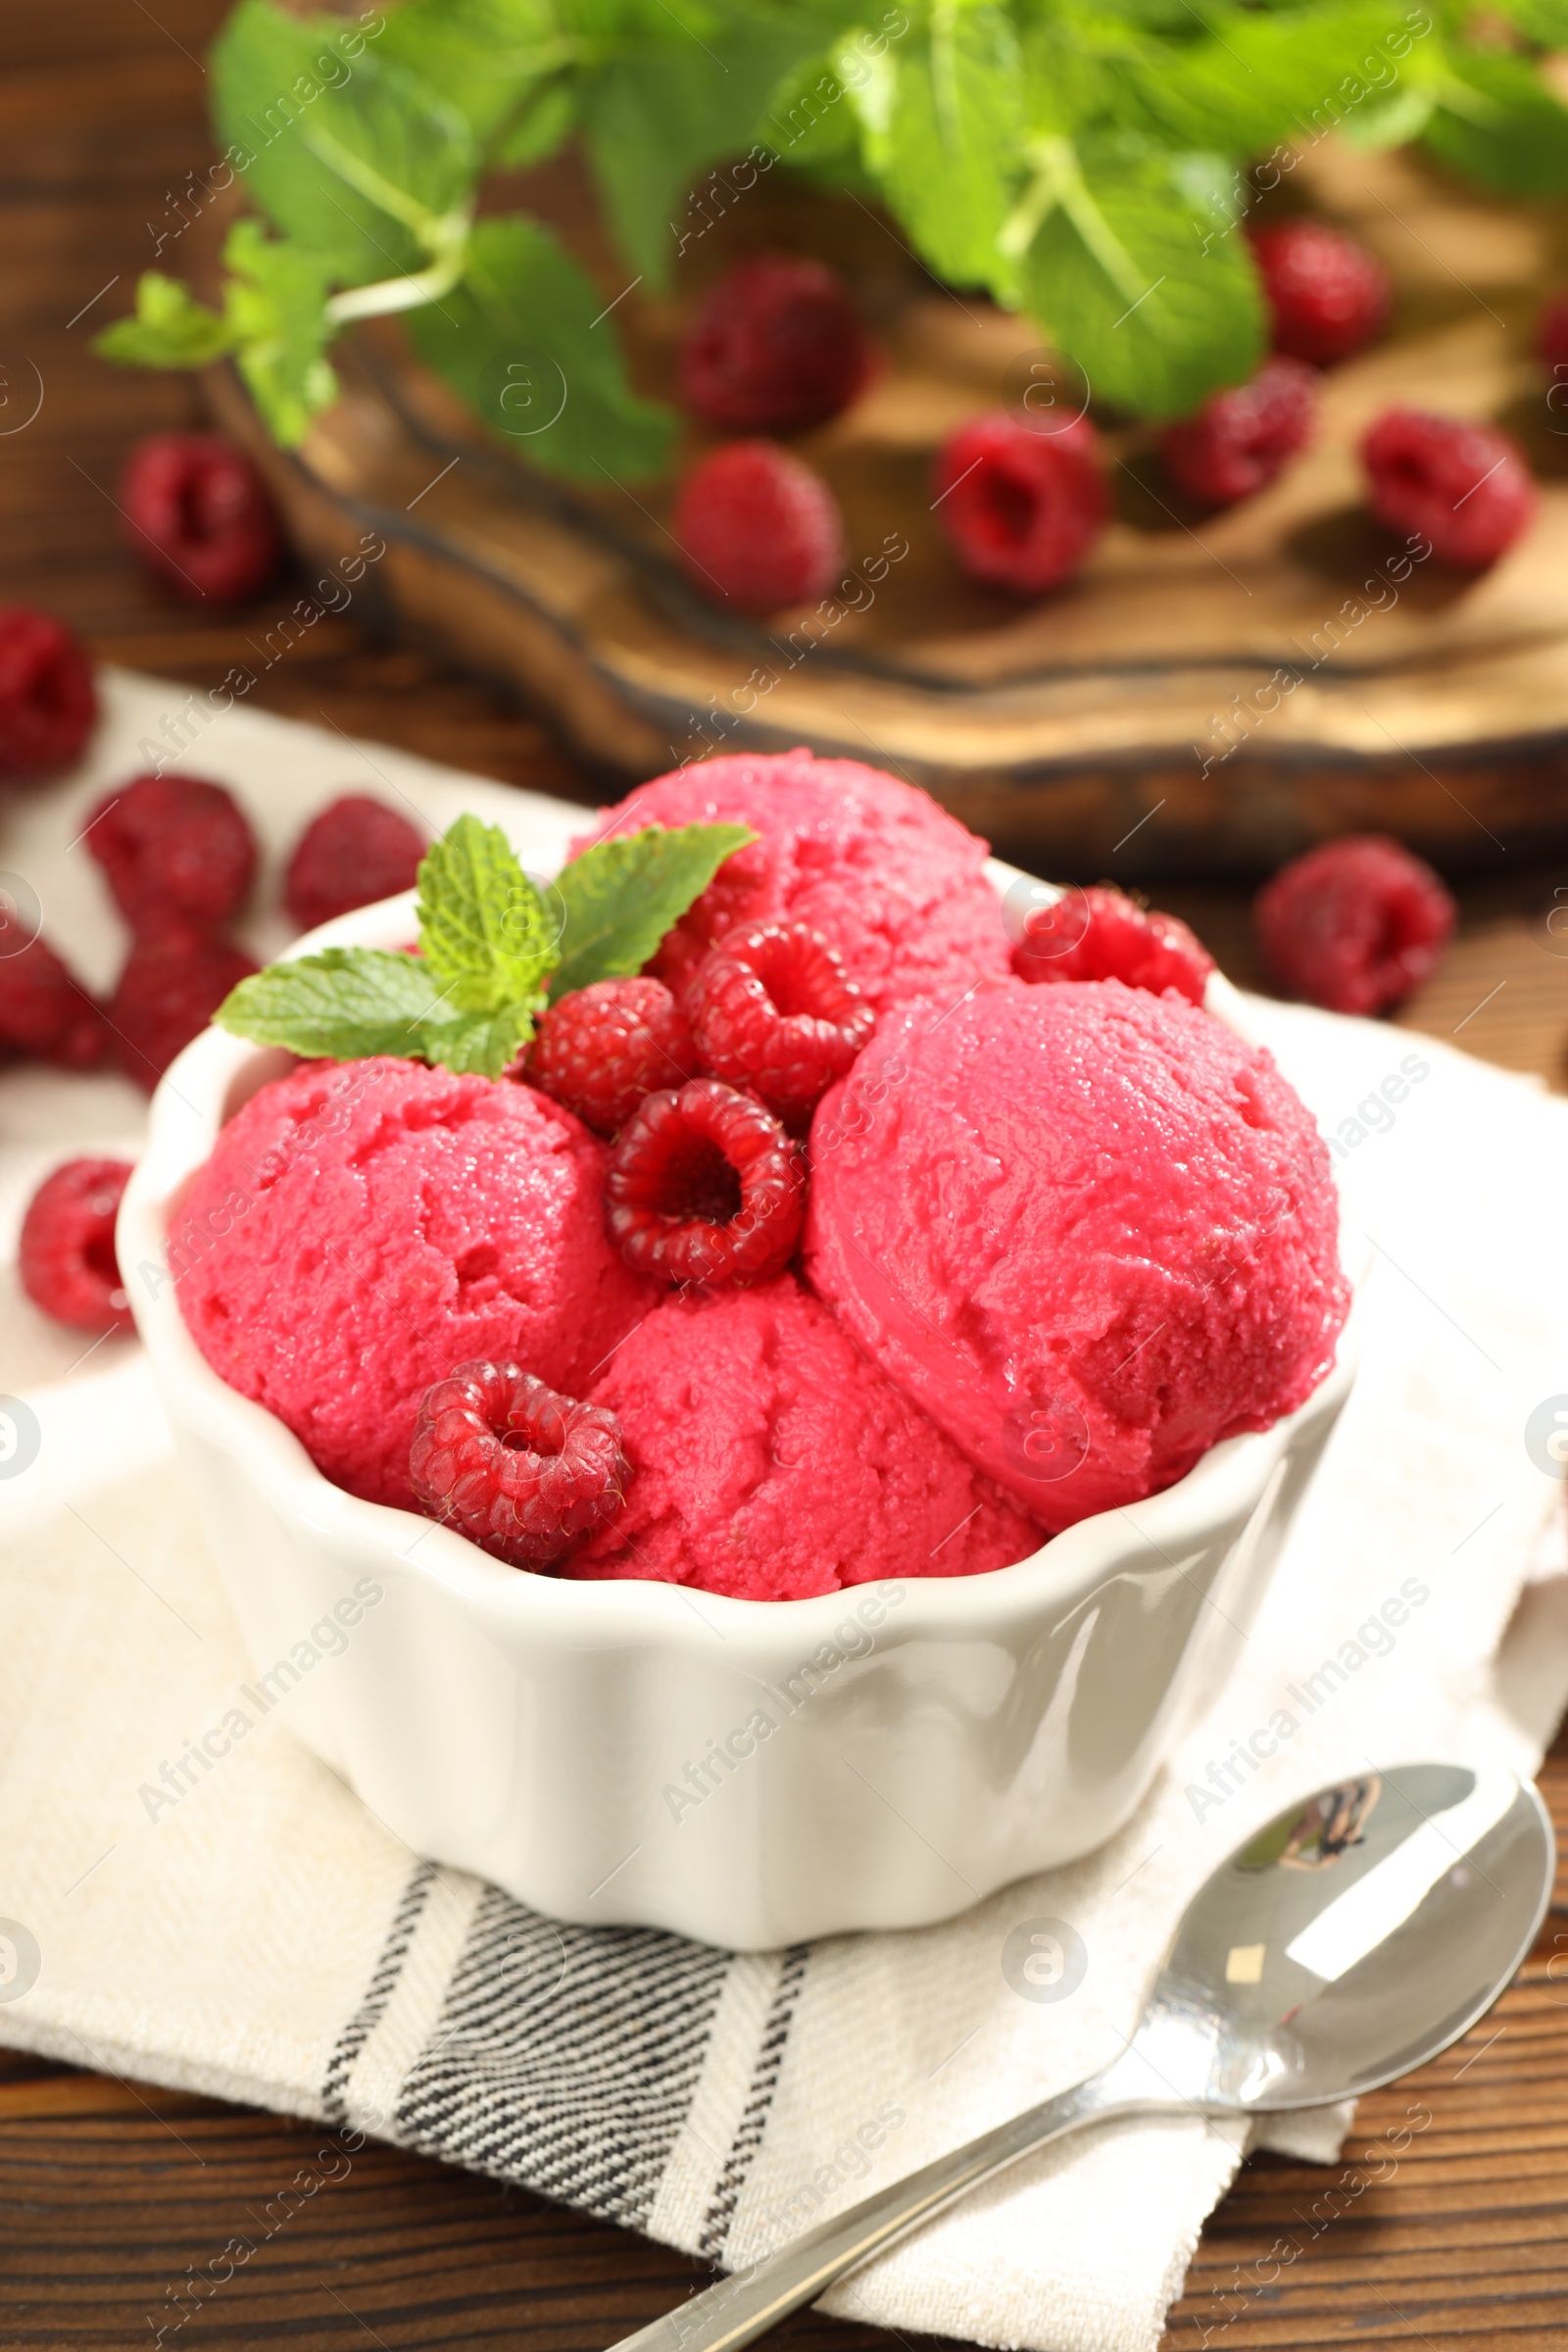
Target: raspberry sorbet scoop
x: 1088, y: 1230
x: 892, y: 882
x: 770, y: 1462
x: 363, y: 1228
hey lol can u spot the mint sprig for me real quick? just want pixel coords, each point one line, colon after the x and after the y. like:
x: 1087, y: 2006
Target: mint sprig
x: 489, y: 944
x: 1086, y: 161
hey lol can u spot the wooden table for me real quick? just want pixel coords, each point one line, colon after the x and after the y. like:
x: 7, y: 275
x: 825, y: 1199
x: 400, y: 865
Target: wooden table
x: 108, y: 2189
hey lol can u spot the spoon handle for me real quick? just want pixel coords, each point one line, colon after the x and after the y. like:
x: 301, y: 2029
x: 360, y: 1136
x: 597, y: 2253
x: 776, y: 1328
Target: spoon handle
x: 745, y: 2305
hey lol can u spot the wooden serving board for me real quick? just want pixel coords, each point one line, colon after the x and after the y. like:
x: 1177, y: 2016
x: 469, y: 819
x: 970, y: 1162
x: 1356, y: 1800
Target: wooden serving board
x: 1212, y: 692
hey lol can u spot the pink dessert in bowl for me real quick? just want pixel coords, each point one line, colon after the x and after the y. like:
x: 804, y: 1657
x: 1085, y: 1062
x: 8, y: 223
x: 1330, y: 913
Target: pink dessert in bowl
x: 772, y: 1461
x: 799, y: 1528
x: 890, y: 880
x: 364, y: 1227
x: 1088, y: 1230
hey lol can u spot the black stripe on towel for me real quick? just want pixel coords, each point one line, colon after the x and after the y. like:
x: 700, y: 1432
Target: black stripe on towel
x: 356, y: 2032
x: 564, y: 2058
x: 754, y: 2120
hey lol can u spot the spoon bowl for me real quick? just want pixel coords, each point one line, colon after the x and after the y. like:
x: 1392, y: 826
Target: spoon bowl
x: 1352, y: 1939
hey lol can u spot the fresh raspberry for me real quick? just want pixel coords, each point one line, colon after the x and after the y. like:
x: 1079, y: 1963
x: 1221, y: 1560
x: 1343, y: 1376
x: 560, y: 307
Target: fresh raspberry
x: 1356, y: 926
x: 67, y: 1252
x: 758, y: 528
x: 201, y: 517
x: 1241, y: 439
x: 522, y: 1471
x: 1464, y: 486
x: 1102, y: 934
x: 705, y: 1185
x: 172, y: 982
x: 1327, y: 294
x: 45, y: 1012
x: 773, y: 1010
x: 48, y: 702
x: 602, y: 1049
x: 1552, y: 335
x: 776, y: 347
x: 173, y: 846
x: 1022, y: 508
x: 357, y: 852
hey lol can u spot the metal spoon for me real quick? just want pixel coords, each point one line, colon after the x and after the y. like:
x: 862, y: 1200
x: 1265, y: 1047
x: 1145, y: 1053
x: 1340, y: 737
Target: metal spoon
x: 1349, y: 1942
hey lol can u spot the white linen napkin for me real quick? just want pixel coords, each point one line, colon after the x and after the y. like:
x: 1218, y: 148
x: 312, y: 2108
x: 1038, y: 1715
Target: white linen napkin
x: 267, y: 1939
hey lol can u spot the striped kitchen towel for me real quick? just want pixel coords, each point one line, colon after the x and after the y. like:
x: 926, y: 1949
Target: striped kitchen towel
x: 187, y: 1896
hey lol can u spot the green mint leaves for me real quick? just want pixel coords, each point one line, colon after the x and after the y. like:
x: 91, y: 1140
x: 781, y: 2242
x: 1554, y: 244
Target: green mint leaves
x: 621, y: 895
x: 274, y: 323
x: 344, y: 1004
x: 486, y: 930
x: 1085, y: 160
x: 490, y: 942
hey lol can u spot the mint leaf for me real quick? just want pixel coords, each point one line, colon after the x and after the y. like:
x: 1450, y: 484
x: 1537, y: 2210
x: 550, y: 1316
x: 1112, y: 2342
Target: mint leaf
x: 483, y: 57
x: 813, y: 121
x: 276, y: 308
x: 622, y: 895
x: 347, y: 1004
x: 1543, y: 21
x: 486, y: 935
x: 1260, y: 79
x: 949, y: 157
x: 524, y: 338
x: 1127, y: 272
x: 342, y: 1004
x: 546, y: 121
x: 670, y: 103
x: 350, y: 157
x: 1496, y: 122
x: 486, y: 1044
x: 1393, y: 123
x: 170, y: 328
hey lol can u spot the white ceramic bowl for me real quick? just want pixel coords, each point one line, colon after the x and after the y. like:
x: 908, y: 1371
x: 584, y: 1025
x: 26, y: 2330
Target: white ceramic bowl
x: 749, y: 1772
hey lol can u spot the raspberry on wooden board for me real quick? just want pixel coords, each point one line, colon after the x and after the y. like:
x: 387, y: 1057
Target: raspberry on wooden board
x: 757, y: 528
x: 1241, y: 439
x: 1463, y: 485
x: 1327, y: 296
x: 1021, y: 506
x: 776, y: 346
x: 200, y: 517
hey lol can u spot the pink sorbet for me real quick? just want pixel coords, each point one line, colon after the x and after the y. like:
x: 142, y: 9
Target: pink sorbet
x: 771, y: 1461
x: 1088, y: 1230
x: 888, y: 879
x: 364, y: 1227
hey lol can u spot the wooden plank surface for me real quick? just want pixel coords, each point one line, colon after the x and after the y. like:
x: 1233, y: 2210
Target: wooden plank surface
x: 113, y: 2194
